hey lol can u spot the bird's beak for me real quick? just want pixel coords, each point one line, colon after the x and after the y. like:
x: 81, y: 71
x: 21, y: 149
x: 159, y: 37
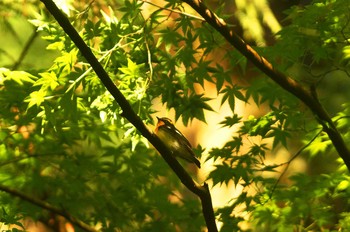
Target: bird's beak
x: 157, y: 118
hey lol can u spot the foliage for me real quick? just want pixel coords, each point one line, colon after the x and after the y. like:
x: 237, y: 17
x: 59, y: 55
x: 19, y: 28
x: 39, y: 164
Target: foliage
x: 63, y: 139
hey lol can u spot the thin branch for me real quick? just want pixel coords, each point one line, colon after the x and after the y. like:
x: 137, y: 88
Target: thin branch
x: 201, y: 191
x: 286, y: 82
x: 76, y: 81
x: 43, y: 204
x: 25, y: 49
x: 344, y: 27
x: 174, y: 11
x: 17, y: 159
x: 290, y: 161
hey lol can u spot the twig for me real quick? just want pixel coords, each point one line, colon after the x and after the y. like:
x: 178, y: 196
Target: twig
x: 344, y: 27
x: 174, y: 11
x: 49, y: 207
x: 290, y: 161
x: 25, y: 49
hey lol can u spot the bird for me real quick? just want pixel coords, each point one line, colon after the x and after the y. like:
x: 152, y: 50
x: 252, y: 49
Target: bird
x: 175, y: 141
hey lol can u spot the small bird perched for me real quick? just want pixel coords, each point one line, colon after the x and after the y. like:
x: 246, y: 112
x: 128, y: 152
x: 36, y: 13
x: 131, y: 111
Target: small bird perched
x: 175, y: 141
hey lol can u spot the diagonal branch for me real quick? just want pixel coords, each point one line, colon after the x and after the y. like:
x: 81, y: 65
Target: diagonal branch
x: 49, y: 207
x: 286, y: 82
x: 201, y: 191
x: 25, y: 50
x: 290, y: 161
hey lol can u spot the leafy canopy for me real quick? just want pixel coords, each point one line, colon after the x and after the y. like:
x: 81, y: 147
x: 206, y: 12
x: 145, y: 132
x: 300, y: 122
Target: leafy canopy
x: 63, y: 139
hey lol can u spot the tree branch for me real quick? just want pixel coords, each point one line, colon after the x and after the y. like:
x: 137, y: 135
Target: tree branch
x: 290, y: 161
x: 201, y: 191
x: 26, y: 48
x: 47, y: 206
x: 280, y: 78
